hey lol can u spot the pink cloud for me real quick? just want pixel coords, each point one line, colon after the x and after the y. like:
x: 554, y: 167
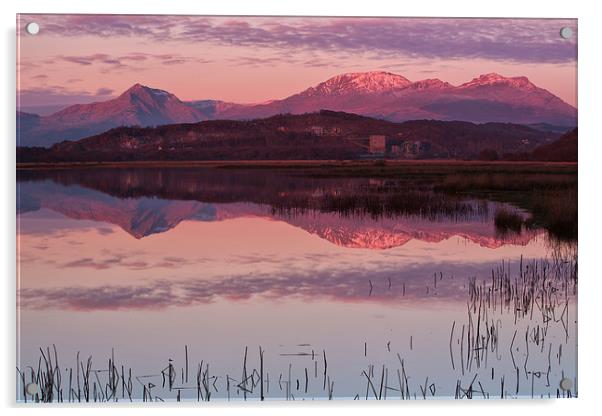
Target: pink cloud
x: 519, y: 40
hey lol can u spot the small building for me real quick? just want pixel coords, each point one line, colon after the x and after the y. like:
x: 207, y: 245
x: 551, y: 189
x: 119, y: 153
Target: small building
x: 317, y: 130
x: 409, y: 148
x: 424, y: 147
x: 396, y: 150
x: 416, y: 148
x: 336, y: 131
x: 377, y: 144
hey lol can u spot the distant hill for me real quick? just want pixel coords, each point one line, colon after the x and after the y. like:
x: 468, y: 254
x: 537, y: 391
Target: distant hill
x: 551, y: 128
x: 383, y: 95
x: 321, y: 135
x: 562, y: 150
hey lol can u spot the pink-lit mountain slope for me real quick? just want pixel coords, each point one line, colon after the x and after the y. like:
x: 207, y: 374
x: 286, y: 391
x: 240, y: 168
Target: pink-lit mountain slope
x: 139, y: 105
x: 490, y: 97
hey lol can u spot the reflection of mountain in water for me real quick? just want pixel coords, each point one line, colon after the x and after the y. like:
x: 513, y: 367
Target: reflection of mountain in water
x: 139, y: 217
x: 143, y: 205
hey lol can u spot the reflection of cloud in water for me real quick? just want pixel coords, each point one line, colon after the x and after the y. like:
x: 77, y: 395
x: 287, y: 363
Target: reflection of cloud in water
x: 386, y: 286
x: 48, y: 223
x: 122, y: 260
x: 105, y: 230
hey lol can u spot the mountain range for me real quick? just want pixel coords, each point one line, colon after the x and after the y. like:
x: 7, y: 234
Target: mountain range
x: 382, y: 95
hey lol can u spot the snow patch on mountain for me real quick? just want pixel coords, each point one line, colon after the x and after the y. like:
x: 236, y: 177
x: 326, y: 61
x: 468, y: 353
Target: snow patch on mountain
x: 367, y: 82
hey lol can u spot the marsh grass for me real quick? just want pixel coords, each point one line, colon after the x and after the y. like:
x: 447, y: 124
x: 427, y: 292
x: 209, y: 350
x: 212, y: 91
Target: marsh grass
x: 536, y: 294
x: 507, y: 221
x: 550, y: 198
x: 379, y: 203
x: 556, y: 211
x: 506, y: 182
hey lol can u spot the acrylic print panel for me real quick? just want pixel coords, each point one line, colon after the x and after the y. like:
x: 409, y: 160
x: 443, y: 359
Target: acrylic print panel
x: 292, y: 208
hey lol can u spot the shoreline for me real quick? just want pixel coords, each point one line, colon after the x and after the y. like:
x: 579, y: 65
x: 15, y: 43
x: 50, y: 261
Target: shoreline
x: 285, y: 164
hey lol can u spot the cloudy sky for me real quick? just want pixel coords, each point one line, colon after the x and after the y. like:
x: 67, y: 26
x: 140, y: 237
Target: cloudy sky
x: 84, y: 58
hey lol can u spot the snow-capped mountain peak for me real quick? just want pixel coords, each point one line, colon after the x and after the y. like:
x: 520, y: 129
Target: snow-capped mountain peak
x: 365, y: 82
x: 497, y: 79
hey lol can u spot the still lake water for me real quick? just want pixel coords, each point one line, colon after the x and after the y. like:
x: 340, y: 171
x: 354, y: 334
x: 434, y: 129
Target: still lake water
x: 163, y: 271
